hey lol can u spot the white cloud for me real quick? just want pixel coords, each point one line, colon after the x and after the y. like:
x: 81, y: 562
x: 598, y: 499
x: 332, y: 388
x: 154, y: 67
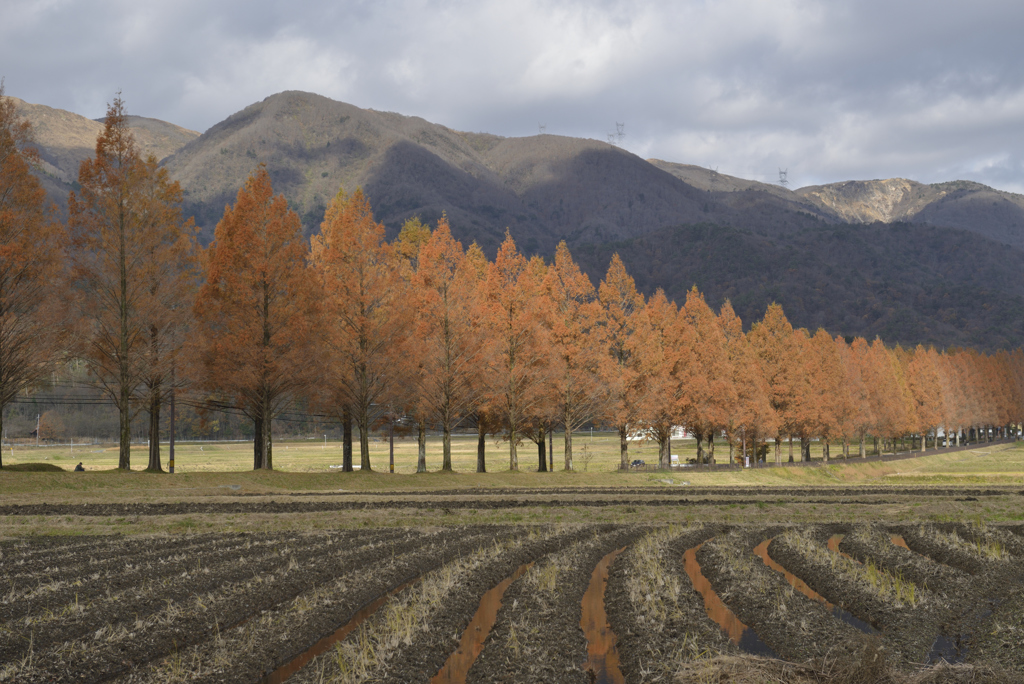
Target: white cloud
x: 928, y: 90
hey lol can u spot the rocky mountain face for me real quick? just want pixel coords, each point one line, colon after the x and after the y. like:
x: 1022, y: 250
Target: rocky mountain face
x: 911, y: 262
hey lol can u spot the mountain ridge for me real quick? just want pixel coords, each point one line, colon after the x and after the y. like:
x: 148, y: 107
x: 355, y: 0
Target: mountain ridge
x: 674, y: 224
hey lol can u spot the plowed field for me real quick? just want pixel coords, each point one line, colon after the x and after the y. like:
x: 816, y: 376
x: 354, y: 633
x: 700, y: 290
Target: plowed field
x: 687, y: 602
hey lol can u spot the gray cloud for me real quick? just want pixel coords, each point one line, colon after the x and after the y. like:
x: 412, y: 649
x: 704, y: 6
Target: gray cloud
x: 829, y: 90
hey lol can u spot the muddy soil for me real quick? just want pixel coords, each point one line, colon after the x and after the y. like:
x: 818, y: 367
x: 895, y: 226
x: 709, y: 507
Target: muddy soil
x: 908, y: 631
x: 655, y: 634
x: 424, y: 659
x: 537, y: 635
x: 794, y: 626
x: 679, y: 486
x: 277, y: 635
x: 874, y: 543
x: 458, y: 500
x: 131, y: 596
x: 212, y: 602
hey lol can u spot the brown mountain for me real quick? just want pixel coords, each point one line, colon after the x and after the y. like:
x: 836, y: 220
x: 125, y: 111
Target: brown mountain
x: 65, y: 139
x: 911, y: 262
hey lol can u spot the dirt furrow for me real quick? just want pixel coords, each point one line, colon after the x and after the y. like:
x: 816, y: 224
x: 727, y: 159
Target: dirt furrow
x: 909, y: 617
x: 121, y: 646
x: 67, y: 595
x: 658, y: 619
x: 277, y: 635
x: 796, y: 627
x: 151, y: 598
x: 537, y: 635
x: 106, y: 554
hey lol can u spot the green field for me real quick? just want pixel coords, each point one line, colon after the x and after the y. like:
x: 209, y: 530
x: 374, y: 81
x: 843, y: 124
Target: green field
x: 305, y: 465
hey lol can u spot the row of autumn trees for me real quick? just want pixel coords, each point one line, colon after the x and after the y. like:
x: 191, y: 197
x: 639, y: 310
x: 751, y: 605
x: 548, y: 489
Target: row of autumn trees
x: 361, y: 331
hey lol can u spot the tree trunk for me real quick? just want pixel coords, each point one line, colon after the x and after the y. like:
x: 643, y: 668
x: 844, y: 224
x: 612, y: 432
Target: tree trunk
x: 778, y: 451
x: 732, y: 451
x: 551, y: 451
x: 124, y: 461
x: 421, y: 441
x: 513, y: 451
x: 154, y: 432
x: 257, y: 443
x: 346, y: 440
x: 711, y: 449
x: 446, y: 450
x: 567, y: 441
x: 924, y: 441
x: 700, y: 447
x: 824, y: 451
x: 791, y: 448
x: 364, y: 443
x: 665, y: 449
x: 2, y: 407
x: 481, y: 445
x: 623, y: 447
x: 268, y: 443
x: 542, y: 454
x: 863, y: 450
x: 846, y: 448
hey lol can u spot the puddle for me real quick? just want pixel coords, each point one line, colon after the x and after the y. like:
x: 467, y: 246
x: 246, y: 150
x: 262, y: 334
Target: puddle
x: 833, y: 545
x: 898, y: 540
x: 282, y: 673
x: 739, y: 633
x: 602, y: 664
x: 472, y: 642
x: 946, y: 649
x: 761, y: 550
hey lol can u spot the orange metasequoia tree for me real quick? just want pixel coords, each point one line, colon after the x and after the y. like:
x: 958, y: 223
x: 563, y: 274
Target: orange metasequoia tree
x: 779, y: 348
x: 448, y: 338
x: 366, y: 312
x: 621, y: 313
x: 576, y: 344
x: 750, y: 414
x: 517, y: 362
x: 32, y: 252
x: 705, y: 373
x: 254, y: 345
x: 127, y: 237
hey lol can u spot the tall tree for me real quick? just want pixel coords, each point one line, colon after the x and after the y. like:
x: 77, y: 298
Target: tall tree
x: 705, y: 373
x: 448, y: 335
x: 126, y: 232
x: 518, y: 360
x: 257, y: 310
x: 32, y: 251
x: 621, y: 311
x: 751, y: 413
x: 778, y: 347
x: 659, y: 355
x: 366, y: 313
x: 576, y: 344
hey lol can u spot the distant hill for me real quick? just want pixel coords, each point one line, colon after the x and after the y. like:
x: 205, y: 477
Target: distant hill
x: 937, y: 264
x: 65, y: 139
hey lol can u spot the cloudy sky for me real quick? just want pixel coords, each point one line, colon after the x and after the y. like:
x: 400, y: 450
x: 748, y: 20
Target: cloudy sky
x: 830, y: 90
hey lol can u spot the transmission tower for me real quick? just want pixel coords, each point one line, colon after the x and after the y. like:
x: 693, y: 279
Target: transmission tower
x: 620, y: 131
x: 541, y: 128
x: 783, y: 179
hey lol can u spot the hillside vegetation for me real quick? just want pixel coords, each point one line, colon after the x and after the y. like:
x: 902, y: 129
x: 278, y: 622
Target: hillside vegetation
x: 909, y: 261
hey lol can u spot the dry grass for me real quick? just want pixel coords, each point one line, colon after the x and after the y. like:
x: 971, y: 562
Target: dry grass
x: 892, y: 587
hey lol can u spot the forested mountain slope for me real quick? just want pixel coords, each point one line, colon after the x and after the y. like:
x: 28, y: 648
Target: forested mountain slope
x: 911, y: 262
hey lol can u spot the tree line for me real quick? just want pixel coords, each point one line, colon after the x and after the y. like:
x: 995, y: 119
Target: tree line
x: 423, y: 330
